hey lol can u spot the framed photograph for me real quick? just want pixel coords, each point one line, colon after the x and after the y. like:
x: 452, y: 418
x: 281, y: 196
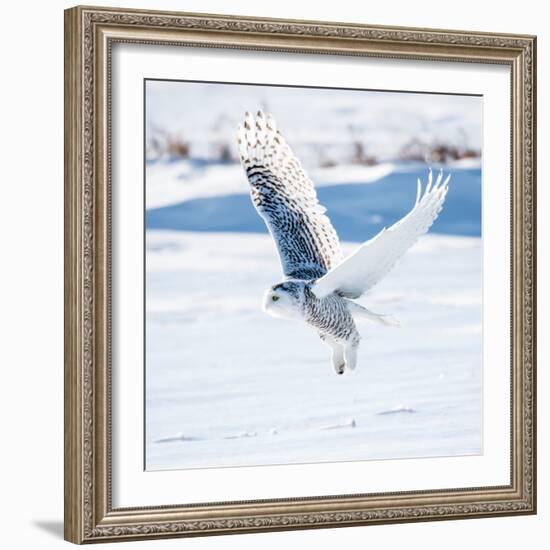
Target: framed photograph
x: 300, y: 274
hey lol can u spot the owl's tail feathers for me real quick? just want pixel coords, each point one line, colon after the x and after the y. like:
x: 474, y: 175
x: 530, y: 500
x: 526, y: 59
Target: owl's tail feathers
x: 360, y: 312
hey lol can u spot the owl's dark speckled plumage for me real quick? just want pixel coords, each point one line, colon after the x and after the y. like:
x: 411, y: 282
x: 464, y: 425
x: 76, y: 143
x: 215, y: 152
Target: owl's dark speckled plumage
x: 318, y: 282
x: 329, y: 315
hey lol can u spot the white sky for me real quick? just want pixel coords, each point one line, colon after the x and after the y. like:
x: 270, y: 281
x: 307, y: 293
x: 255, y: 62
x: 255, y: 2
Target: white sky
x: 384, y: 121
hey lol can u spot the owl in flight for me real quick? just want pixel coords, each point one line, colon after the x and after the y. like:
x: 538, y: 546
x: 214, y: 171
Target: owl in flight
x: 319, y: 284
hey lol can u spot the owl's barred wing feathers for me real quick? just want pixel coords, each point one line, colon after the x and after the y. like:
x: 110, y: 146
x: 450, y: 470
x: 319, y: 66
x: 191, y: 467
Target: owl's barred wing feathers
x: 285, y: 198
x: 374, y: 259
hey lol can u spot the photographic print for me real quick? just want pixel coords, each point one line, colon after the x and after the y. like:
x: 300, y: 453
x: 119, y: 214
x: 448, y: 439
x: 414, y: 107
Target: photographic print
x: 313, y: 268
x: 299, y: 274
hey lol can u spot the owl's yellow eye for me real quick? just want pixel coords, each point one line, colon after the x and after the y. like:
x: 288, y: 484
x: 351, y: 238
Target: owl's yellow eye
x: 274, y: 298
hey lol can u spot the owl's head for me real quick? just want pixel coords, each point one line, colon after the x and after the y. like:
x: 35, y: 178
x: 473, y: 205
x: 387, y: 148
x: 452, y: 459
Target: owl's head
x: 285, y: 300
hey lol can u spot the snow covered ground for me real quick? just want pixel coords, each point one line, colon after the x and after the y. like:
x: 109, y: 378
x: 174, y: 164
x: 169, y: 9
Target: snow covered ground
x: 227, y: 385
x: 184, y: 180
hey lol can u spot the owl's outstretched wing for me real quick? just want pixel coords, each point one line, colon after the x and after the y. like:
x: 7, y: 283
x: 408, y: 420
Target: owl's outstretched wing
x: 375, y: 258
x: 285, y: 198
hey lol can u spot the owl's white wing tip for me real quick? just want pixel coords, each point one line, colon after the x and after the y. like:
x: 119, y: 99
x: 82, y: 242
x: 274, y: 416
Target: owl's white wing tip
x: 375, y: 258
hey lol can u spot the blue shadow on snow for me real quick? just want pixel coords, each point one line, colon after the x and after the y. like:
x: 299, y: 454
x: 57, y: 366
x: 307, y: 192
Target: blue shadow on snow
x: 357, y: 211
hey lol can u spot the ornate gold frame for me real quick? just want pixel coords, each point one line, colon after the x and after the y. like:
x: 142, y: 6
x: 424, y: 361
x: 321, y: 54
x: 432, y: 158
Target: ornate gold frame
x: 89, y: 35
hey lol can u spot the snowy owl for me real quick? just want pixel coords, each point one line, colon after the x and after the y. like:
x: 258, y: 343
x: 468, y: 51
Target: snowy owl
x: 319, y: 284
